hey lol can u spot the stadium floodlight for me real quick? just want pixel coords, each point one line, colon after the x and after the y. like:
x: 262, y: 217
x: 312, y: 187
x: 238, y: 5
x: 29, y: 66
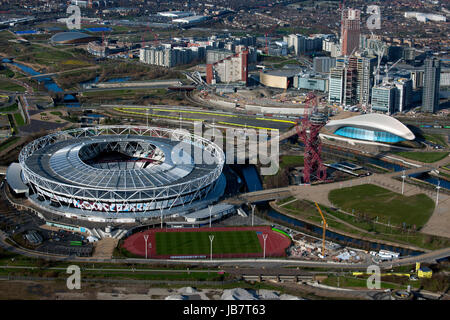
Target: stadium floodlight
x: 253, y: 213
x: 403, y: 181
x: 210, y: 207
x: 150, y: 247
x: 437, y: 192
x: 264, y: 238
x: 145, y: 238
x: 211, y: 238
x: 161, y: 209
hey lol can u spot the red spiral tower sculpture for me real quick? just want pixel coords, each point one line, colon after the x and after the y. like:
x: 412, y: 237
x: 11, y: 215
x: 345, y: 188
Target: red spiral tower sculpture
x: 308, y: 131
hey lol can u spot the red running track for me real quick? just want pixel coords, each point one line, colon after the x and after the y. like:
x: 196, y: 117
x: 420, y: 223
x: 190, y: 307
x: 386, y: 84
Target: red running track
x: 276, y: 243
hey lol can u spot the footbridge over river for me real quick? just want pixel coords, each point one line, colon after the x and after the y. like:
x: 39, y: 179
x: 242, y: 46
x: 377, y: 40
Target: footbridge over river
x: 262, y: 195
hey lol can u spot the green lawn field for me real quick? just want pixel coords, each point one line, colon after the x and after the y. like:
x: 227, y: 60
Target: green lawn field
x: 20, y: 121
x: 377, y: 201
x: 426, y: 157
x: 188, y: 243
x: 10, y: 86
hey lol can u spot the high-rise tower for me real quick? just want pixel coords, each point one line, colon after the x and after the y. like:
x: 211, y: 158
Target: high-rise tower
x: 431, y: 82
x: 350, y: 30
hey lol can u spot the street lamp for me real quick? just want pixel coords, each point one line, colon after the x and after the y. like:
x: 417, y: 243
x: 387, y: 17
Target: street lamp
x: 253, y: 213
x: 210, y: 209
x: 403, y: 181
x: 264, y: 238
x: 437, y: 192
x: 145, y: 238
x: 211, y: 238
x: 150, y: 247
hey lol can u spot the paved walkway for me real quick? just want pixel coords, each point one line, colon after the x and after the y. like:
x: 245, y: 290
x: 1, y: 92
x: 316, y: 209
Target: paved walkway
x: 104, y: 248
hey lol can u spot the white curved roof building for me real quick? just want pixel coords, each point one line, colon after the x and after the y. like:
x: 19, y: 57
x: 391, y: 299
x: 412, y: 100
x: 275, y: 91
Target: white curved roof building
x: 371, y: 127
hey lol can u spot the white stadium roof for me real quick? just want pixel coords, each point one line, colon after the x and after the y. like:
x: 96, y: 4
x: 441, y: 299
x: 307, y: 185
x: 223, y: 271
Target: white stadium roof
x: 373, y: 121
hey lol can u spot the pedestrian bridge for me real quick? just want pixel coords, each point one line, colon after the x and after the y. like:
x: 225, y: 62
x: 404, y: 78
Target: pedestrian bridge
x: 262, y: 195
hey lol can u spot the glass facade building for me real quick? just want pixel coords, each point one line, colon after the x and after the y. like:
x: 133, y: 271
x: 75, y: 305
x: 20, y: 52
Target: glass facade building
x: 369, y: 135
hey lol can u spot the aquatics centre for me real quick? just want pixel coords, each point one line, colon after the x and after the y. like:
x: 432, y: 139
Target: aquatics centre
x: 371, y: 127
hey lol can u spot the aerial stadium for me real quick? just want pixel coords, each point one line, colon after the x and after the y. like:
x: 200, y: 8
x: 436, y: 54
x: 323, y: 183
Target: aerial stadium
x: 378, y: 128
x: 119, y: 173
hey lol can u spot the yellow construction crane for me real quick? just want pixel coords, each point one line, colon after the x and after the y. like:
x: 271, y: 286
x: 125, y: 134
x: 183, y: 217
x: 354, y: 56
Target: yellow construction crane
x: 324, y: 221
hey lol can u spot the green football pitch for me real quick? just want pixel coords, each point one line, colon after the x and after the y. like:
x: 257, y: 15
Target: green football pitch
x: 186, y: 243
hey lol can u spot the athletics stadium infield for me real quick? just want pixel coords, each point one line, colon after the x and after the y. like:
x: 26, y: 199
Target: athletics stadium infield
x: 194, y: 243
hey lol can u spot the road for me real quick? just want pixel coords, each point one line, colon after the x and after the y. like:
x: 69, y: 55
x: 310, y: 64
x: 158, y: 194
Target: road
x: 218, y: 118
x: 223, y: 263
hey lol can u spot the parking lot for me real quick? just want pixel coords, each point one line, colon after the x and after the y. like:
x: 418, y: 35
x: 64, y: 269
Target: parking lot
x: 19, y: 223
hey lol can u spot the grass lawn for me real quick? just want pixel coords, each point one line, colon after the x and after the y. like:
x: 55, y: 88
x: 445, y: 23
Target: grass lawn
x: 282, y: 64
x: 427, y: 157
x: 285, y: 200
x: 305, y: 210
x: 125, y: 274
x: 8, y: 142
x: 55, y: 113
x: 19, y: 119
x: 290, y: 161
x: 46, y: 54
x: 186, y: 243
x: 7, y: 73
x: 285, y: 162
x: 6, y: 35
x: 376, y: 201
x: 436, y: 138
x: 10, y: 86
x: 125, y: 93
x: 11, y: 108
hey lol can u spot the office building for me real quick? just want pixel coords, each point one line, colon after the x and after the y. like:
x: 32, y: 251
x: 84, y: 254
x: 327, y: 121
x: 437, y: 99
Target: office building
x: 300, y: 44
x: 323, y: 64
x: 336, y: 85
x: 383, y: 98
x: 350, y: 31
x: 214, y: 55
x: 165, y: 56
x: 233, y: 68
x: 431, y: 83
x: 365, y: 78
x: 403, y: 94
x: 417, y: 79
x: 311, y: 82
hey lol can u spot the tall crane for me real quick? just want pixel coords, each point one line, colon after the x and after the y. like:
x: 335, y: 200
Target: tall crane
x: 324, y: 228
x: 386, y: 77
x: 380, y: 50
x: 266, y: 49
x: 155, y: 41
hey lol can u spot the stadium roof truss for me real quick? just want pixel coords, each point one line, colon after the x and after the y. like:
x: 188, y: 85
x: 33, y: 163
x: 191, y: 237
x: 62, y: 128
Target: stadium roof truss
x: 45, y: 172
